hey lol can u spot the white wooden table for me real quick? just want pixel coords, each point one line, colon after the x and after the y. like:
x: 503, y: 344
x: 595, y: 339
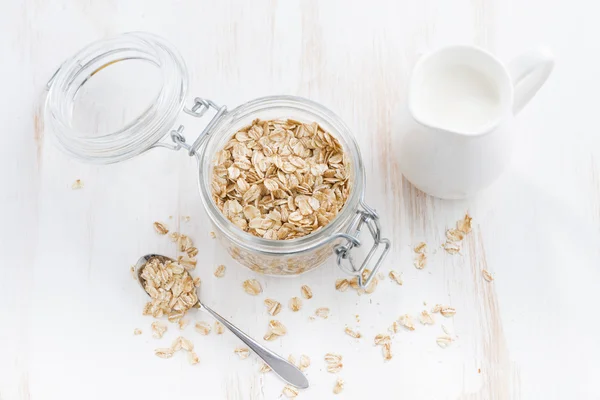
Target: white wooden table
x: 69, y: 305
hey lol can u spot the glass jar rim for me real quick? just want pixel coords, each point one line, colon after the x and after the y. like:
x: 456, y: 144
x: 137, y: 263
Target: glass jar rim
x: 292, y: 246
x: 138, y: 135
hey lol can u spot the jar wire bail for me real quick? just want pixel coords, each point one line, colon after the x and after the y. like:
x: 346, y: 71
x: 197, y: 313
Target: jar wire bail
x: 200, y: 107
x: 368, y: 216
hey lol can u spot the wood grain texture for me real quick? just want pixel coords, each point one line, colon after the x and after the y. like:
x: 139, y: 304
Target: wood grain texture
x: 69, y: 305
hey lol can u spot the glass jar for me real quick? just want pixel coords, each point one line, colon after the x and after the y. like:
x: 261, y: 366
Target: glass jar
x: 152, y: 127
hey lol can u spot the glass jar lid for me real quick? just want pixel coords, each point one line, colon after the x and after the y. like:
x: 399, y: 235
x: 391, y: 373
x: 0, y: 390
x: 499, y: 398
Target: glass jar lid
x: 116, y: 98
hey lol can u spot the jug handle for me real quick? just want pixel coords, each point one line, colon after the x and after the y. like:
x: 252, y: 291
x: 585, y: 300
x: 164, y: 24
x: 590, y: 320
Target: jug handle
x: 529, y: 72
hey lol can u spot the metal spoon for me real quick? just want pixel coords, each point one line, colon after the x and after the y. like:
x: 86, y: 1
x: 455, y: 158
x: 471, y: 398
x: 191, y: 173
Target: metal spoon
x: 286, y: 371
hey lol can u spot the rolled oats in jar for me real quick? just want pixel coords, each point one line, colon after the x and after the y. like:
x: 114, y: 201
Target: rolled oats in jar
x: 281, y: 177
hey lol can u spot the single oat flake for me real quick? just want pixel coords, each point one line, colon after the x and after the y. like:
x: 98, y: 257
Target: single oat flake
x: 342, y: 285
x: 219, y: 328
x: 420, y: 261
x: 420, y: 248
x: 455, y: 235
x: 193, y: 358
x: 339, y: 386
x: 183, y: 323
x: 406, y: 321
x: 387, y: 351
x: 381, y: 339
x: 306, y: 292
x: 425, y: 318
x: 464, y: 225
x: 158, y: 329
x: 203, y: 327
x: 395, y: 327
x: 396, y: 277
x: 352, y: 333
x: 242, y: 352
x: 213, y: 235
x: 304, y: 362
x: 443, y: 341
x: 295, y: 304
x: 322, y: 312
x: 252, y: 287
x: 447, y: 311
x: 332, y: 358
x: 487, y: 275
x: 437, y: 308
x: 137, y: 331
x: 264, y: 368
x: 290, y: 392
x: 160, y: 228
x: 273, y: 306
x: 451, y: 247
x: 277, y: 327
x: 164, y: 353
x: 78, y: 184
x: 220, y: 271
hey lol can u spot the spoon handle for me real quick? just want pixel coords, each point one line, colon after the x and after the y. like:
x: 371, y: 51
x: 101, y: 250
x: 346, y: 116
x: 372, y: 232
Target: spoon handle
x: 287, y: 371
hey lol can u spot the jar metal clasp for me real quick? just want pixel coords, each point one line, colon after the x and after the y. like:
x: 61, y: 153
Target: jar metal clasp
x: 369, y: 217
x: 200, y: 107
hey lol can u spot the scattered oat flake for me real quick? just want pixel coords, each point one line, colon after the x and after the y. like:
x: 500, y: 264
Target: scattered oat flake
x: 264, y: 368
x: 395, y: 327
x: 183, y: 323
x: 78, y: 184
x: 219, y: 328
x: 212, y: 235
x: 186, y: 344
x: 464, y: 225
x: 420, y: 261
x: 437, y: 308
x: 164, y: 353
x: 186, y: 218
x: 487, y: 275
x: 277, y: 328
x: 387, y: 351
x: 193, y: 358
x: 352, y: 333
x: 334, y: 368
x: 306, y: 292
x: 396, y: 277
x: 220, y: 271
x: 242, y: 352
x: 447, y: 311
x: 252, y: 287
x: 451, y: 247
x: 273, y: 306
x: 137, y: 331
x: 133, y: 274
x: 333, y: 358
x: 381, y: 339
x: 406, y: 321
x: 290, y: 392
x: 174, y: 236
x: 420, y: 248
x: 455, y: 235
x: 425, y: 318
x: 176, y: 345
x: 160, y: 228
x: 342, y: 285
x: 158, y: 329
x: 270, y: 336
x: 339, y: 386
x: 443, y: 341
x: 295, y: 304
x: 192, y: 252
x: 322, y: 312
x: 197, y: 281
x: 445, y: 329
x: 304, y: 362
x: 203, y: 327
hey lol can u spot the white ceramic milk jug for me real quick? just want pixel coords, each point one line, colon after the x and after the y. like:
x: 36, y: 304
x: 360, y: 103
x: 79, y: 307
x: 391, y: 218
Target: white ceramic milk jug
x: 461, y: 101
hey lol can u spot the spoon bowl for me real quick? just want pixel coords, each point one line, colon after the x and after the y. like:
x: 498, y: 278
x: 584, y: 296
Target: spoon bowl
x: 282, y: 367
